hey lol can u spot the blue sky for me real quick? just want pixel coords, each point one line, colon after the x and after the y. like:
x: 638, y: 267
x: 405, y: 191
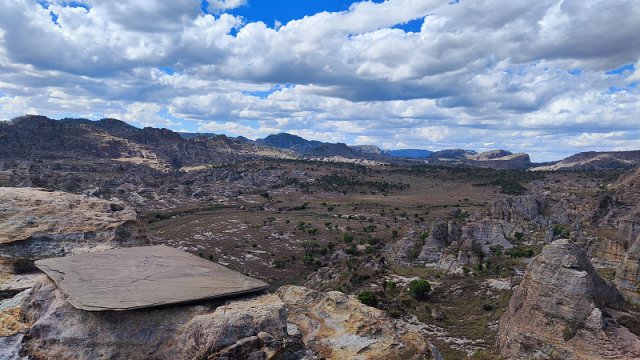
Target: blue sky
x: 539, y: 76
x: 272, y: 12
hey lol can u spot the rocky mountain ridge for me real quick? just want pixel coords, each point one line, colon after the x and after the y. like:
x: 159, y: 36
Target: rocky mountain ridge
x: 38, y: 137
x: 43, y: 138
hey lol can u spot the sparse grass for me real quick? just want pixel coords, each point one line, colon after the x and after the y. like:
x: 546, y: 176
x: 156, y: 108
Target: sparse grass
x: 608, y: 274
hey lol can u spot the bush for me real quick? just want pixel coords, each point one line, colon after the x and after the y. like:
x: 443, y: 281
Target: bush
x: 307, y: 259
x: 351, y: 250
x: 496, y: 250
x: 278, y: 263
x: 520, y: 252
x: 348, y: 238
x: 419, y: 289
x: 561, y: 230
x: 368, y: 298
x: 488, y: 307
x: 390, y: 285
x: 518, y: 235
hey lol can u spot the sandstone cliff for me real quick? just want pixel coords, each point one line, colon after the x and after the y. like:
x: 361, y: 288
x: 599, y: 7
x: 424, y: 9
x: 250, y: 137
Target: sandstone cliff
x: 560, y: 310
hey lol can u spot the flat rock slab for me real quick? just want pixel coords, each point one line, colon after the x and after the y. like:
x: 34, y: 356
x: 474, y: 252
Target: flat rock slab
x: 140, y: 277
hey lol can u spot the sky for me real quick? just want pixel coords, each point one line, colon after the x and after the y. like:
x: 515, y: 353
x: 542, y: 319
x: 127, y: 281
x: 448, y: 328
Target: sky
x: 550, y: 78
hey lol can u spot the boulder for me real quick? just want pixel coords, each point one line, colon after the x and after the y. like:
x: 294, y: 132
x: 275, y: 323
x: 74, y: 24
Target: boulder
x: 560, y: 310
x: 250, y: 328
x: 35, y: 224
x: 338, y: 326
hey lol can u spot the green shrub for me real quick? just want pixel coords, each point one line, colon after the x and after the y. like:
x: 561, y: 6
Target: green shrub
x: 520, y: 252
x: 419, y: 289
x: 307, y: 259
x: 351, y: 250
x: 561, y: 230
x: 390, y: 285
x: 496, y: 250
x: 368, y: 298
x: 518, y: 236
x: 348, y: 238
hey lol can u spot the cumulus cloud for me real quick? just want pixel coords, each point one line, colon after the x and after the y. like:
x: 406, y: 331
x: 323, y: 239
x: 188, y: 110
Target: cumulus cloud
x: 545, y: 77
x: 225, y: 4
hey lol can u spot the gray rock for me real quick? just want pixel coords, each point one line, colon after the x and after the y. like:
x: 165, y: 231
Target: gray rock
x: 132, y: 278
x: 627, y: 278
x: 557, y: 311
x: 241, y: 329
x: 35, y: 224
x: 10, y: 347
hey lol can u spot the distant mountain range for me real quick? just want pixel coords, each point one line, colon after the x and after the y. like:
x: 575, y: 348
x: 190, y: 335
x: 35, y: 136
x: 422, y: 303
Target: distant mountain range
x: 38, y: 137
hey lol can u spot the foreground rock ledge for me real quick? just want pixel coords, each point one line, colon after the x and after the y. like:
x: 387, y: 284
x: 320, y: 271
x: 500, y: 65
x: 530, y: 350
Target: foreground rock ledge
x: 561, y: 311
x: 253, y: 328
x: 36, y: 224
x: 140, y: 277
x: 295, y: 323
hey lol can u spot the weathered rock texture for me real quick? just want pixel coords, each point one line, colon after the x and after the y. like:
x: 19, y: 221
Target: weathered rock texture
x: 253, y: 328
x: 144, y: 276
x: 559, y: 311
x: 35, y: 224
x: 628, y: 273
x: 338, y: 326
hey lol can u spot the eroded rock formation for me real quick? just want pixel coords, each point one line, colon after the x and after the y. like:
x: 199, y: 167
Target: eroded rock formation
x: 561, y: 310
x: 38, y: 224
x: 251, y: 328
x: 338, y: 326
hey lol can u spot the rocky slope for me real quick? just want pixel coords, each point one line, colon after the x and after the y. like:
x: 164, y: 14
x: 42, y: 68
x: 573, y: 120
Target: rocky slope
x: 38, y: 224
x: 561, y: 309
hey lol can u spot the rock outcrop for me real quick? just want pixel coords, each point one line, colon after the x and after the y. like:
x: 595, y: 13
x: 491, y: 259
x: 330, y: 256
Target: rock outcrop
x: 628, y: 273
x: 294, y: 323
x: 560, y: 310
x: 251, y: 328
x: 338, y: 326
x: 36, y: 224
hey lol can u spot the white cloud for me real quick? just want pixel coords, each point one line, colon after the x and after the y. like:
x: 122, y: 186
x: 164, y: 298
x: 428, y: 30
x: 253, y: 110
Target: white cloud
x: 225, y: 4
